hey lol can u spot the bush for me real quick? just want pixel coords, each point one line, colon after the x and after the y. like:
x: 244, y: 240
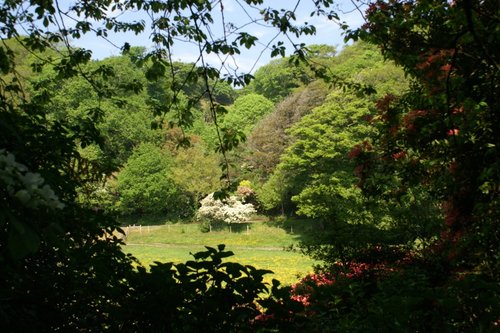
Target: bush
x: 203, y: 295
x: 230, y: 210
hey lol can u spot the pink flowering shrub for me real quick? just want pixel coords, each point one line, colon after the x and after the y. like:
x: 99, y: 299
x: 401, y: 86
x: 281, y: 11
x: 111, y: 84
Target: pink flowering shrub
x: 244, y: 192
x: 302, y: 291
x: 309, y: 287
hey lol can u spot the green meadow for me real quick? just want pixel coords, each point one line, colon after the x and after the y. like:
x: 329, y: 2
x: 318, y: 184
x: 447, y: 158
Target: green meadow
x: 257, y: 244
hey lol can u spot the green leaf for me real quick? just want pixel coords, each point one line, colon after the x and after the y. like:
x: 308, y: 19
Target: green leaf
x: 22, y: 240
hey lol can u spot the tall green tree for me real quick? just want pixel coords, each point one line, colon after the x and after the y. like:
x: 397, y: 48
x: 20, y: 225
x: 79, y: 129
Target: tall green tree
x: 64, y: 271
x: 144, y: 184
x: 278, y: 79
x: 197, y: 172
x: 246, y: 111
x: 318, y: 139
x: 316, y: 164
x: 281, y: 77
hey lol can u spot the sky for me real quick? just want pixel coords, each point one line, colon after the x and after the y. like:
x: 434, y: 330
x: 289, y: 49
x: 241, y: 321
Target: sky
x: 328, y: 32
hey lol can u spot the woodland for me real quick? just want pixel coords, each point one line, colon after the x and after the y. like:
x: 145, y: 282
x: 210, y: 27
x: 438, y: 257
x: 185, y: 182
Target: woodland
x: 388, y: 144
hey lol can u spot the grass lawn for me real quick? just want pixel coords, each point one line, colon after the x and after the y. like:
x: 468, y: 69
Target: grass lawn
x: 258, y: 245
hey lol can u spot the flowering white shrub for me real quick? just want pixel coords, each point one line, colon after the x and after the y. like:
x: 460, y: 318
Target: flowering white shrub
x: 230, y: 211
x: 26, y: 187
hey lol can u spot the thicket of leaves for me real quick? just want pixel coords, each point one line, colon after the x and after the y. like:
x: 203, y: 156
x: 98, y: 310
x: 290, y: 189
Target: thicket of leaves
x: 438, y: 139
x: 442, y: 134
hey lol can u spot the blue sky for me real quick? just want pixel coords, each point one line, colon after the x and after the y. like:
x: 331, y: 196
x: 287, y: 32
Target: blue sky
x: 328, y: 32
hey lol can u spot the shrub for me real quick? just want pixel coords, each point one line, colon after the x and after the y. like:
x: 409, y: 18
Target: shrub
x: 230, y: 210
x: 206, y: 294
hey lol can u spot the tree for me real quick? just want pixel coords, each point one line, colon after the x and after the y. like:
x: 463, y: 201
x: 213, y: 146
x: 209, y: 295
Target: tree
x: 357, y: 63
x: 322, y: 51
x: 362, y: 62
x: 277, y: 80
x: 125, y: 128
x: 281, y: 77
x: 319, y: 132
x: 246, y: 111
x: 196, y: 172
x: 316, y: 164
x: 63, y: 269
x: 61, y: 266
x: 319, y: 181
x: 144, y: 184
x: 275, y: 194
x: 269, y: 138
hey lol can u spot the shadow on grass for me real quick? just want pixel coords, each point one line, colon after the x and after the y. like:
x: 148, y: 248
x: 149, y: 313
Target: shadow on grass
x: 325, y: 240
x: 305, y: 230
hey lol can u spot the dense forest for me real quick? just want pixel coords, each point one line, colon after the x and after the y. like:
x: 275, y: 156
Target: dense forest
x: 388, y: 145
